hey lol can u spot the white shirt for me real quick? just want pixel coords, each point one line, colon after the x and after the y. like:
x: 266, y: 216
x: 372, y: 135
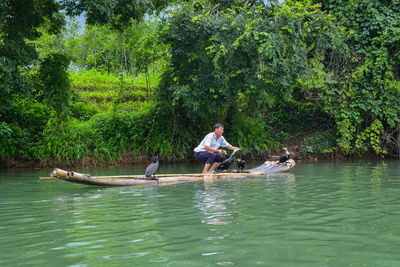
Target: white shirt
x: 211, y: 141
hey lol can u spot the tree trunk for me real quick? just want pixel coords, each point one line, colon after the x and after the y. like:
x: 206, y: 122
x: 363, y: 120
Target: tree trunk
x: 126, y: 64
x: 108, y: 67
x: 95, y: 59
x: 146, y: 71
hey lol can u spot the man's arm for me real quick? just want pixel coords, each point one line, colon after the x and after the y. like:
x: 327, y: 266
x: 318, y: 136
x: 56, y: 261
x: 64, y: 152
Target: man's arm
x: 232, y: 147
x: 209, y: 149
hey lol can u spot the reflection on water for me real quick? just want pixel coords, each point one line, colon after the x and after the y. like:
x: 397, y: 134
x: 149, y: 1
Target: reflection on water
x: 213, y: 200
x: 324, y: 214
x: 212, y: 205
x: 221, y: 206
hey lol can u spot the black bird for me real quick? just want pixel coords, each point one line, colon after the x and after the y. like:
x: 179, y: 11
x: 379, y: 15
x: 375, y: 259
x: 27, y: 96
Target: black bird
x: 285, y: 156
x: 226, y: 163
x: 240, y: 163
x: 152, y: 168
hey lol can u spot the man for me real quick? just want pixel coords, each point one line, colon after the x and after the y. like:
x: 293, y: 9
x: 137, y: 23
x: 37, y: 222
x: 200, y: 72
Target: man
x: 208, y: 150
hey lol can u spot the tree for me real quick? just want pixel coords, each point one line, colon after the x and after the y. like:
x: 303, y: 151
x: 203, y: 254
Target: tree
x: 73, y: 42
x: 117, y: 13
x: 366, y: 101
x: 144, y: 47
x: 20, y: 21
x: 56, y: 89
x: 231, y: 64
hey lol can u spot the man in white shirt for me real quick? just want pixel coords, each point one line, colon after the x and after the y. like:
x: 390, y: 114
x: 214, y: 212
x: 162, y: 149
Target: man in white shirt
x: 208, y: 150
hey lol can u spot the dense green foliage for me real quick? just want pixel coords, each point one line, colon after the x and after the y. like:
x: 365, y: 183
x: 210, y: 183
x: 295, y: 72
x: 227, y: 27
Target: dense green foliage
x: 319, y: 75
x: 365, y: 99
x: 228, y: 63
x: 116, y: 13
x: 19, y: 22
x: 38, y: 103
x: 102, y: 91
x: 54, y: 83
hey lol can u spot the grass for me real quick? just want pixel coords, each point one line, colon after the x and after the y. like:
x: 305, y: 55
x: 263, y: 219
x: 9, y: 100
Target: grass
x: 103, y: 91
x: 99, y: 81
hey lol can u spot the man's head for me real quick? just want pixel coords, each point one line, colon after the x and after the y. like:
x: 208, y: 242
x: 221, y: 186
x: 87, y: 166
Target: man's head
x: 218, y: 129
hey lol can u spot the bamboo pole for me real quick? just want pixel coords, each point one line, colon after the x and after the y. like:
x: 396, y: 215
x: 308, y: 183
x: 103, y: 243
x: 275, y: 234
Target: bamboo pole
x: 60, y: 172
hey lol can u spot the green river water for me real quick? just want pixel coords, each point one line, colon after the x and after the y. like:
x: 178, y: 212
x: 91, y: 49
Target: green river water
x: 317, y: 214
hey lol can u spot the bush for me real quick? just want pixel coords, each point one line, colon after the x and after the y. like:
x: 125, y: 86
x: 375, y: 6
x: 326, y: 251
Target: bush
x: 106, y: 137
x: 5, y: 138
x: 28, y: 113
x: 83, y: 111
x: 318, y: 144
x: 16, y: 142
x: 22, y: 128
x: 298, y: 119
x: 72, y: 141
x: 250, y: 135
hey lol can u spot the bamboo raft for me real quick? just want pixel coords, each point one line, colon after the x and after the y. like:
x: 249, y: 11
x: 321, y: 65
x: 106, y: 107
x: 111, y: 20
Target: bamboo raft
x: 267, y: 167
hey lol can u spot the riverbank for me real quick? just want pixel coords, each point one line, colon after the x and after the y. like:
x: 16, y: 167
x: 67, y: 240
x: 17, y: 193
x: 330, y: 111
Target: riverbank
x: 128, y: 159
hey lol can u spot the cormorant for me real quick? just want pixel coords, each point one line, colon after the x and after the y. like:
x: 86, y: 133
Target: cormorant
x: 226, y: 163
x: 152, y: 168
x: 240, y: 163
x: 285, y: 156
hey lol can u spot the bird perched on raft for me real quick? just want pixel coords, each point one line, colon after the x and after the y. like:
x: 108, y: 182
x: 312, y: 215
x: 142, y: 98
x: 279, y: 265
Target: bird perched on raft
x: 227, y: 162
x: 240, y: 163
x: 285, y: 157
x: 152, y: 169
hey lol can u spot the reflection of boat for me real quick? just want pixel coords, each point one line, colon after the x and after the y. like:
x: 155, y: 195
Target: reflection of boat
x: 267, y: 167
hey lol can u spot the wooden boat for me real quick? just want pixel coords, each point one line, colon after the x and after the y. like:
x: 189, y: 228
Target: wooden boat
x: 267, y: 167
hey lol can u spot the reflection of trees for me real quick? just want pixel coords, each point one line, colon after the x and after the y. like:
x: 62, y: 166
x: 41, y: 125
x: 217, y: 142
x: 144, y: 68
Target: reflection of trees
x: 284, y: 182
x: 362, y: 189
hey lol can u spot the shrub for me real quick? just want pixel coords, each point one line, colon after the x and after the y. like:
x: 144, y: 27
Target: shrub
x: 318, y: 144
x: 82, y: 110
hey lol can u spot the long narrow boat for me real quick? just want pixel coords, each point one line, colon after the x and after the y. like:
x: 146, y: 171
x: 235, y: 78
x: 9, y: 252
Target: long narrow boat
x: 267, y: 167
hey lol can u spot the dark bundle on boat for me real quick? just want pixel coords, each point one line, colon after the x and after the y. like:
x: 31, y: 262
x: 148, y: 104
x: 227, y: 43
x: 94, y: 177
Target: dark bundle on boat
x: 240, y: 163
x: 226, y: 163
x: 152, y: 169
x: 285, y: 157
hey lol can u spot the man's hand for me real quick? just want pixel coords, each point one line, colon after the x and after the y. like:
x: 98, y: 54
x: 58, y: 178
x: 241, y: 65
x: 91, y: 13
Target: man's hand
x: 221, y: 152
x: 233, y: 147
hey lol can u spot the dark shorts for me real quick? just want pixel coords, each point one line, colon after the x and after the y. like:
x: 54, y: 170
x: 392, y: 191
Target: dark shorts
x: 208, y: 157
